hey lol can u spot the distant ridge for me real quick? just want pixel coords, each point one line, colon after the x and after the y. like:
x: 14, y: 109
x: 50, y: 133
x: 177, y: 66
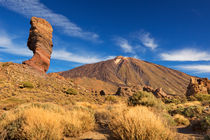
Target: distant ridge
x: 127, y: 71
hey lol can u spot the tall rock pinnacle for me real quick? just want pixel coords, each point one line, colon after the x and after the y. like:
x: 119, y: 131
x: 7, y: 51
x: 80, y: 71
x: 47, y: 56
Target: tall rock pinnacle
x: 40, y: 42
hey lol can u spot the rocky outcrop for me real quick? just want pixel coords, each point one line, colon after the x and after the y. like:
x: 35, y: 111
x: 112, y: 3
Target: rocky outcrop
x: 198, y: 85
x: 55, y: 75
x: 40, y: 42
x: 159, y: 93
x: 102, y: 93
x: 127, y: 91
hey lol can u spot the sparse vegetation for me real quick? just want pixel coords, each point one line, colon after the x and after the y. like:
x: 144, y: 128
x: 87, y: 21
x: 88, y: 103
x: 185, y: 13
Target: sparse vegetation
x: 172, y: 100
x: 205, y: 123
x: 145, y: 99
x: 71, y: 91
x: 138, y: 123
x: 6, y: 64
x: 74, y: 115
x: 181, y: 120
x: 44, y: 121
x: 111, y: 99
x: 191, y: 110
x: 26, y: 85
x: 204, y: 98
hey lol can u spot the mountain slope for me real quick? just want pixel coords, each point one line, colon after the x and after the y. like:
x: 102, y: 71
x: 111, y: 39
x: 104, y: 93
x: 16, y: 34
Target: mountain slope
x: 130, y: 71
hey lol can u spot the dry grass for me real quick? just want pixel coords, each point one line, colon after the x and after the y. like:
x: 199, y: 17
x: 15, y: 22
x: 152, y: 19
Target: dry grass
x: 138, y: 123
x: 181, y: 120
x: 44, y: 121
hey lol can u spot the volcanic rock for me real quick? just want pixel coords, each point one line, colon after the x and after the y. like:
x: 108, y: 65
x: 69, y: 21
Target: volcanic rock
x: 198, y: 85
x: 40, y: 42
x: 159, y: 93
x: 126, y: 71
x: 127, y: 91
x: 102, y: 93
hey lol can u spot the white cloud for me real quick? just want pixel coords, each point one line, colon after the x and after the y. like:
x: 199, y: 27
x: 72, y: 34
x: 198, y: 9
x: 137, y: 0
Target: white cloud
x: 123, y: 43
x: 186, y: 55
x: 30, y: 8
x: 8, y: 46
x: 147, y: 40
x: 195, y: 68
x: 68, y: 56
x: 109, y: 57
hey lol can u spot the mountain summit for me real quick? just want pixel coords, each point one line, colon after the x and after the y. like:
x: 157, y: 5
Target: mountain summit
x: 127, y: 71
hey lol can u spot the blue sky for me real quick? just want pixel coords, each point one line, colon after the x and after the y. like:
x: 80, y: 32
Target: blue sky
x: 173, y: 33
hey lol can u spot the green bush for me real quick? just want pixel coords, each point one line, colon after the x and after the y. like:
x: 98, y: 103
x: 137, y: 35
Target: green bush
x: 192, y: 98
x: 27, y: 85
x: 168, y: 118
x: 111, y: 99
x: 192, y: 111
x: 172, y: 100
x: 145, y: 99
x: 205, y: 123
x: 71, y: 91
x: 181, y: 120
x: 203, y: 97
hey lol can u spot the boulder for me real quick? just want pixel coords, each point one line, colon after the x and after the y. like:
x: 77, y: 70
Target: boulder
x: 40, y: 42
x: 198, y: 85
x: 127, y: 91
x: 159, y: 93
x: 102, y: 93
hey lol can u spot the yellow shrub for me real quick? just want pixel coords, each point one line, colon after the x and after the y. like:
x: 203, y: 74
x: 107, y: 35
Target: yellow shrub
x: 139, y: 123
x: 181, y: 120
x: 44, y: 121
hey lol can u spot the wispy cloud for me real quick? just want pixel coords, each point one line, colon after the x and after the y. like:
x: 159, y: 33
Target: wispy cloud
x: 147, y: 40
x: 7, y: 45
x: 109, y: 57
x: 72, y: 57
x: 123, y: 43
x: 195, y: 68
x: 30, y: 8
x: 186, y: 55
x: 10, y: 46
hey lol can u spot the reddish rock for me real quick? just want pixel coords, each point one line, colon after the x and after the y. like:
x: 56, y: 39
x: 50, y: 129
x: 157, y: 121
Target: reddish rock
x: 40, y: 42
x: 159, y: 93
x: 55, y: 75
x: 198, y: 85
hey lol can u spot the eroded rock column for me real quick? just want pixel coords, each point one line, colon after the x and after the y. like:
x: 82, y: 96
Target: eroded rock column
x: 40, y: 42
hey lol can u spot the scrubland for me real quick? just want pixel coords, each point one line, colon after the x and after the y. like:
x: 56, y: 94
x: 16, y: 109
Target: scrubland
x: 36, y: 107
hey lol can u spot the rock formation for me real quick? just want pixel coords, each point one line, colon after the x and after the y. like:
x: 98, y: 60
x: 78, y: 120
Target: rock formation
x: 40, y: 42
x: 159, y: 93
x: 198, y: 85
x: 127, y: 91
x: 102, y: 93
